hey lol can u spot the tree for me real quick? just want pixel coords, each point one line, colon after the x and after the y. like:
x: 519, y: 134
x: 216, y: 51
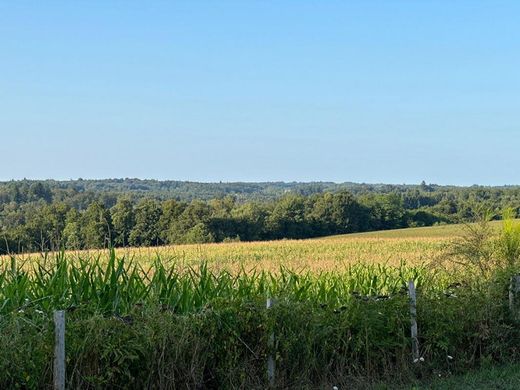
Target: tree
x: 171, y: 212
x: 197, y: 212
x: 146, y: 228
x: 55, y: 215
x: 96, y: 226
x: 37, y: 190
x: 123, y: 219
x: 198, y: 234
x: 222, y: 224
x: 338, y: 213
x: 386, y: 211
x: 44, y: 224
x: 289, y: 218
x: 72, y: 232
x: 250, y: 221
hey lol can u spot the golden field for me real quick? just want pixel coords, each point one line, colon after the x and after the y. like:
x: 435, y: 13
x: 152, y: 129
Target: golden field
x: 412, y: 245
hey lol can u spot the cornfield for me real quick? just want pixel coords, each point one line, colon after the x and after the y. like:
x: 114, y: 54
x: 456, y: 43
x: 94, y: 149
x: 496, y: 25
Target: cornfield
x: 195, y: 316
x: 116, y: 284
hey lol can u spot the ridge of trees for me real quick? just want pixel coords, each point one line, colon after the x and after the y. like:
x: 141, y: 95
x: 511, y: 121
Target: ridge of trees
x: 51, y: 215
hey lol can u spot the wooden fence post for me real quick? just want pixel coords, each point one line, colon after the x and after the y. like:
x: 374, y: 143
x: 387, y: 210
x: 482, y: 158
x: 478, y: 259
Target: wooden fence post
x: 59, y: 350
x: 514, y: 290
x: 271, y: 362
x: 413, y: 319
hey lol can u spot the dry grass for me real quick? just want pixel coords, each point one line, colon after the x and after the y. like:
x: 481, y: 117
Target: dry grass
x: 314, y: 255
x: 413, y: 246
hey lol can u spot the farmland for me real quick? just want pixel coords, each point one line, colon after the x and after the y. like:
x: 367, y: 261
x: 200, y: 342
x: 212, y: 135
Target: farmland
x: 413, y: 246
x: 194, y: 315
x: 48, y: 216
x: 259, y: 195
x: 320, y: 254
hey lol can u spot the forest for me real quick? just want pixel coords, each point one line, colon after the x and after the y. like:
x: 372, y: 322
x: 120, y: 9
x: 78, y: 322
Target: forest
x: 81, y: 214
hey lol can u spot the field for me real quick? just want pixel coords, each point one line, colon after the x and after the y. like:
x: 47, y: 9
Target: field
x: 335, y: 253
x: 194, y: 316
x: 413, y: 246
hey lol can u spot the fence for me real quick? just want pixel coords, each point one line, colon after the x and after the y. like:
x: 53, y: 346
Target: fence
x: 59, y: 369
x: 59, y: 372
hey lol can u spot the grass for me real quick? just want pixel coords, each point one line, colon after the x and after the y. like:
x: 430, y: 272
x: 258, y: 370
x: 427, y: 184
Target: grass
x: 112, y: 284
x: 499, y: 378
x: 194, y: 316
x: 335, y: 253
x: 129, y: 327
x: 439, y: 231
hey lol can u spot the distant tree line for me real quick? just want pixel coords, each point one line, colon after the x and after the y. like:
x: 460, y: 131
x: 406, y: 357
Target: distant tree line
x: 42, y: 216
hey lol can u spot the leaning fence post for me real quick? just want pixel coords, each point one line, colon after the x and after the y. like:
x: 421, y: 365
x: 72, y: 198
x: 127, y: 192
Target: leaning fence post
x: 271, y: 363
x: 514, y: 290
x: 59, y: 350
x: 413, y: 319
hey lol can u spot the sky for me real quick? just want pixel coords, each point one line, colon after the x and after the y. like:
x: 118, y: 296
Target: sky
x: 364, y: 91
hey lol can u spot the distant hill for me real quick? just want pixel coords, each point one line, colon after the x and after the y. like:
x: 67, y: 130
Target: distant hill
x: 243, y: 191
x: 80, y: 214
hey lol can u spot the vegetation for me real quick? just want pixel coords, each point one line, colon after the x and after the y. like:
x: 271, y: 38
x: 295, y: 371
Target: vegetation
x: 504, y: 377
x: 49, y: 215
x: 332, y: 253
x: 165, y: 324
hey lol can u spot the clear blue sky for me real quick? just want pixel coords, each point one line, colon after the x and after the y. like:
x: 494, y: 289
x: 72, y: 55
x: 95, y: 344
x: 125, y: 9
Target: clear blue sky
x: 366, y: 91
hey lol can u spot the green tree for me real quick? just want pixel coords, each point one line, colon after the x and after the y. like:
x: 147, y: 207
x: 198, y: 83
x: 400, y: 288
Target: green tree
x: 197, y: 212
x: 386, y: 211
x: 96, y: 226
x: 250, y: 221
x: 171, y: 212
x: 72, y: 231
x: 44, y: 224
x: 198, y: 234
x: 338, y: 213
x: 123, y: 220
x: 146, y: 228
x: 38, y: 190
x: 289, y: 218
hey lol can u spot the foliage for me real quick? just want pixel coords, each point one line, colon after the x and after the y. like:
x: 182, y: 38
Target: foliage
x: 130, y: 326
x: 483, y: 249
x: 82, y: 214
x: 508, y: 242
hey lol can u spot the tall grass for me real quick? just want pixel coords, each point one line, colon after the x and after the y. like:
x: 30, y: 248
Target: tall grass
x: 174, y: 324
x: 161, y: 325
x: 116, y: 284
